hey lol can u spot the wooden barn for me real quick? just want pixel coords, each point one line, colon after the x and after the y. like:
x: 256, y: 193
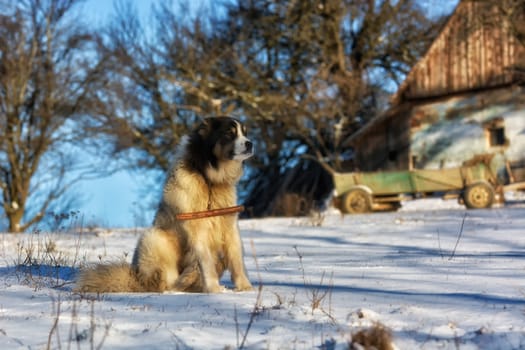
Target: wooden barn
x: 465, y: 97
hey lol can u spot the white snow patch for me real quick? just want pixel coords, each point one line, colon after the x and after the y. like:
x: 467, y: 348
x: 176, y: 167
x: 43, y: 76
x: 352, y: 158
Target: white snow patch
x: 414, y: 271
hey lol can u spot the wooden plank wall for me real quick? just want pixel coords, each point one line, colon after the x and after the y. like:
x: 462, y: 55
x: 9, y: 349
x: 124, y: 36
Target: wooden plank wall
x: 474, y: 50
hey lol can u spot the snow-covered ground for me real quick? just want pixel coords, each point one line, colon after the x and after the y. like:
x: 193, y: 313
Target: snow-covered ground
x: 436, y: 275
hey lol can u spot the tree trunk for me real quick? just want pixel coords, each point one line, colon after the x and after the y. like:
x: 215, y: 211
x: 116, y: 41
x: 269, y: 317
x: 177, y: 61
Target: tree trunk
x: 15, y: 217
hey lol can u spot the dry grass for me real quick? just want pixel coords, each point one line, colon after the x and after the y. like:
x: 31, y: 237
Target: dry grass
x: 318, y: 293
x: 76, y: 337
x: 40, y: 263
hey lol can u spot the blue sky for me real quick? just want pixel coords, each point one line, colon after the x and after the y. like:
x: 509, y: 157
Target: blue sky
x: 112, y: 201
x: 99, y: 10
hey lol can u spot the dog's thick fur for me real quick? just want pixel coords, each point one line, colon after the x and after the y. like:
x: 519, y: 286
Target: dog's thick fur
x: 188, y: 255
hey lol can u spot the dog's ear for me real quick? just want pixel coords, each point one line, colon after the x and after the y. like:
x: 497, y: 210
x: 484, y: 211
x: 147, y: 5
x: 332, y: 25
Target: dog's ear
x: 204, y: 128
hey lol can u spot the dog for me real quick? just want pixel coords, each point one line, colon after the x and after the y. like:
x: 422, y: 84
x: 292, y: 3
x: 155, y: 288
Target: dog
x: 188, y: 255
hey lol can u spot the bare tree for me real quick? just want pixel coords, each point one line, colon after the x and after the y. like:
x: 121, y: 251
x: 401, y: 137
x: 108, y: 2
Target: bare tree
x: 45, y: 79
x: 162, y: 77
x: 153, y: 94
x: 303, y: 74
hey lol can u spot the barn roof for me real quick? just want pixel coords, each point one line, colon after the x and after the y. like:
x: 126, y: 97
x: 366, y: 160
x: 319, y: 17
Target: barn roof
x: 476, y: 49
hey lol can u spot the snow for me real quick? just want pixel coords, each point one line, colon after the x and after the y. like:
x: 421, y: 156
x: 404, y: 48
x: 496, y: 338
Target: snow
x: 436, y: 275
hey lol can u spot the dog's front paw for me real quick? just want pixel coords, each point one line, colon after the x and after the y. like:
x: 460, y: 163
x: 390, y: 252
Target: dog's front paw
x: 244, y: 287
x: 217, y: 288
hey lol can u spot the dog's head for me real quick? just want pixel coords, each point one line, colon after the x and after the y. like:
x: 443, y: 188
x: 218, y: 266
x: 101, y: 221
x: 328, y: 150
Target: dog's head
x: 225, y: 138
x: 217, y: 147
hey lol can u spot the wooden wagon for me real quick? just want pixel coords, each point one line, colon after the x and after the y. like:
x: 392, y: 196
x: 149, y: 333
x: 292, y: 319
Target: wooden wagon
x: 361, y: 192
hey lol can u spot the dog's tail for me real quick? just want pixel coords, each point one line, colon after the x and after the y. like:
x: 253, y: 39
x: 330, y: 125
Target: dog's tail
x: 109, y: 278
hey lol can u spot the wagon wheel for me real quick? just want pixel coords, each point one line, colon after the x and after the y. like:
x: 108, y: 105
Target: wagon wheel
x: 356, y: 201
x: 479, y: 195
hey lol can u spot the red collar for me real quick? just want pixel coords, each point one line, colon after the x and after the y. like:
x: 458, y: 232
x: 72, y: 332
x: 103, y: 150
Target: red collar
x: 209, y: 213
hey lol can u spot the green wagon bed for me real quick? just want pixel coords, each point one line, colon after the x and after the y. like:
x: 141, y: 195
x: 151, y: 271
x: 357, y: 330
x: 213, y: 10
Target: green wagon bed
x: 360, y: 192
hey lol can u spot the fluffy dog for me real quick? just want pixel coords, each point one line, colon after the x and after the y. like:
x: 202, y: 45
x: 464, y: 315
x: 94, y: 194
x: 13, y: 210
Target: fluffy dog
x: 188, y: 255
